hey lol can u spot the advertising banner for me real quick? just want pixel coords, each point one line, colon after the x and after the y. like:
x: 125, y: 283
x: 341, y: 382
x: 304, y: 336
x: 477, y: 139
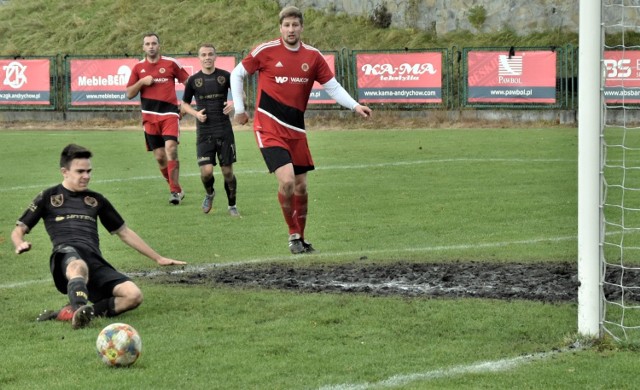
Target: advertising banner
x: 103, y: 82
x: 318, y: 95
x: 399, y: 77
x: 25, y: 82
x: 192, y: 65
x: 622, y: 76
x: 525, y: 77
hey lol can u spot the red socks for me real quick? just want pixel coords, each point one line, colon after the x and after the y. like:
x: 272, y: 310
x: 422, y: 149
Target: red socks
x: 173, y: 170
x: 300, y: 211
x: 294, y: 210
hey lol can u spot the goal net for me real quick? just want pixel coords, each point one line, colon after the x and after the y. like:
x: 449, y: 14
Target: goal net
x: 619, y: 151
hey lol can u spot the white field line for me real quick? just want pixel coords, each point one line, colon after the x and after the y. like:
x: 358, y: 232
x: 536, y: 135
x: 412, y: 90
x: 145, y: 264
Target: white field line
x: 474, y: 368
x: 328, y: 168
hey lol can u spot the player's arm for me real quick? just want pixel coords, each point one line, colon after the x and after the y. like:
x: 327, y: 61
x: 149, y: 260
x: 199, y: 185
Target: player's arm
x: 186, y: 108
x: 237, y: 92
x: 185, y: 105
x: 134, y: 89
x: 342, y: 97
x: 132, y: 239
x: 17, y: 237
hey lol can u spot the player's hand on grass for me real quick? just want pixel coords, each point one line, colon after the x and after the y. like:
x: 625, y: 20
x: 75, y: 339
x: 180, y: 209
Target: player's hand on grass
x: 168, y: 261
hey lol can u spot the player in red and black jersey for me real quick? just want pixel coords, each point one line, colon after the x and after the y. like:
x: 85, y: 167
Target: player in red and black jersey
x: 287, y: 69
x: 154, y: 78
x: 70, y: 212
x: 214, y: 134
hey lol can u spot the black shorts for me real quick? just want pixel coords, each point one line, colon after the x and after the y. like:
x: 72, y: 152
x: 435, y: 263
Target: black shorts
x: 275, y: 157
x: 154, y: 142
x: 102, y: 276
x: 208, y: 147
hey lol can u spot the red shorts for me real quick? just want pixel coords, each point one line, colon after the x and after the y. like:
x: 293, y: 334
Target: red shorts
x: 158, y: 129
x: 298, y: 149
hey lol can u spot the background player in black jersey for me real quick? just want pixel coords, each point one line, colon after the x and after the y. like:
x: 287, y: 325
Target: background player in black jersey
x: 70, y: 212
x: 210, y: 87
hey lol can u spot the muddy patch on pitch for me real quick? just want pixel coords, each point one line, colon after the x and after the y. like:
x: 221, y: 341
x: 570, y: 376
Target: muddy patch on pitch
x: 548, y: 282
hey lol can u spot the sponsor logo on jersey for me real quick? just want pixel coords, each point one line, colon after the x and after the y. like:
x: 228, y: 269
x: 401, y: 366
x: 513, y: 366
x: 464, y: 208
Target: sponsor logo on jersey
x: 90, y: 201
x: 291, y: 80
x: 57, y: 200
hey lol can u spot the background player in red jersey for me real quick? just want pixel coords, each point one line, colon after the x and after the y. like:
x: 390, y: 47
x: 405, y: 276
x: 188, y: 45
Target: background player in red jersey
x: 154, y: 78
x: 70, y: 212
x: 214, y: 134
x: 287, y: 69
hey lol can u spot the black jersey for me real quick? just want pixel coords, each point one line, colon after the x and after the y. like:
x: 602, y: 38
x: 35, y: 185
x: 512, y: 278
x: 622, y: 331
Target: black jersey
x: 210, y: 91
x: 71, y: 217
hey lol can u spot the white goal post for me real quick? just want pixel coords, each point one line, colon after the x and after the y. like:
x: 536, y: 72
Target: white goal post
x: 589, y: 127
x: 609, y: 170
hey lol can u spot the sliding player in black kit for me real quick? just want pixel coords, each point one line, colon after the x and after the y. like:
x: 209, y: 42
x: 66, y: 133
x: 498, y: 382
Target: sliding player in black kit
x: 70, y: 212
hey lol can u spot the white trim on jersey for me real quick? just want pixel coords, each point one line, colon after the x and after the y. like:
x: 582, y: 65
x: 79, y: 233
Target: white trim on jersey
x: 265, y: 45
x: 309, y: 47
x: 259, y: 138
x: 160, y: 113
x: 288, y: 126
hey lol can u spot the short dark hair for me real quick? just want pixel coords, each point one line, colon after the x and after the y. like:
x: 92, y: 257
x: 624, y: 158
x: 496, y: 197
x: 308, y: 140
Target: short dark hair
x: 209, y: 46
x: 151, y: 34
x: 291, y: 12
x: 72, y: 152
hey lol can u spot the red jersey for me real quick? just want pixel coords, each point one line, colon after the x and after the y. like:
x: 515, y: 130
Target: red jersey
x: 158, y: 99
x: 285, y: 80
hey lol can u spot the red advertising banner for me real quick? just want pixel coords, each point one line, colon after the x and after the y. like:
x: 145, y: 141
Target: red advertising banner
x: 192, y: 65
x: 318, y: 95
x: 25, y: 82
x: 100, y: 81
x: 103, y: 82
x: 622, y: 76
x: 399, y: 77
x: 525, y: 77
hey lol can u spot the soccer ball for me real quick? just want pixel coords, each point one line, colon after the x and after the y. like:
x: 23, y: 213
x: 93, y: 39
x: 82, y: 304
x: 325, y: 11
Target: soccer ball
x: 119, y: 345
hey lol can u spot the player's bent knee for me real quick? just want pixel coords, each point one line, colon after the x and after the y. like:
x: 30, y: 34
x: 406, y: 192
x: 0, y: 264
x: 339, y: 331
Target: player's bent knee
x: 130, y: 294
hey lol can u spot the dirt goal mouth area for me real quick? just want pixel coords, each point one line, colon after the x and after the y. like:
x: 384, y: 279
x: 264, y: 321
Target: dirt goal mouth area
x: 545, y: 282
x: 549, y: 282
